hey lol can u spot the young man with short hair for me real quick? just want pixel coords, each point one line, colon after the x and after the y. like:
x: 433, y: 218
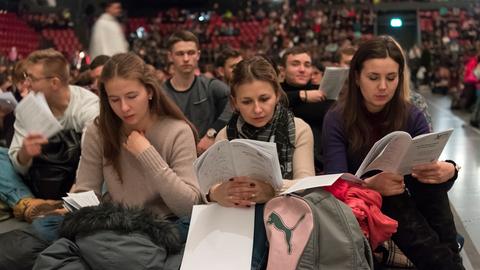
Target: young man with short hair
x: 305, y: 99
x: 96, y: 67
x: 225, y: 62
x: 203, y: 101
x: 47, y: 72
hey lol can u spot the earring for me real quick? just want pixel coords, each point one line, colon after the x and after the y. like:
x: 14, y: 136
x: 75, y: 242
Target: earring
x: 150, y: 98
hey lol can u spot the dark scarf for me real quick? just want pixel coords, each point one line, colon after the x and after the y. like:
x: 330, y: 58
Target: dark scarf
x: 280, y: 130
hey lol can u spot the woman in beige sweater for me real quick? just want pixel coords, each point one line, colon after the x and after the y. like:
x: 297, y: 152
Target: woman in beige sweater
x: 260, y: 115
x: 141, y: 146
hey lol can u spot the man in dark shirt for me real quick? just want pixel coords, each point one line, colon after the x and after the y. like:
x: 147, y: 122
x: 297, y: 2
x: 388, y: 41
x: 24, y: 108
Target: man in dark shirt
x: 203, y: 101
x: 305, y: 99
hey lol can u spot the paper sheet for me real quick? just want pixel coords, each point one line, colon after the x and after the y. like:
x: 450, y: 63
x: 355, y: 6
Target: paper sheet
x: 333, y: 80
x: 36, y: 115
x: 320, y: 181
x: 219, y: 238
x: 75, y: 201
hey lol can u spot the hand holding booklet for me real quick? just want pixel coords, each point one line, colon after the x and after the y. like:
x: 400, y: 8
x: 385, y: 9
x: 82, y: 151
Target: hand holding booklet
x: 398, y: 152
x: 239, y: 157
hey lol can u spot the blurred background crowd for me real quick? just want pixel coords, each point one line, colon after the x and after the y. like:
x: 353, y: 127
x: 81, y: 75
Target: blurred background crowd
x: 445, y: 35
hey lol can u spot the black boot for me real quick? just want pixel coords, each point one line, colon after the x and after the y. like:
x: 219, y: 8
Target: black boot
x: 432, y: 201
x: 414, y: 236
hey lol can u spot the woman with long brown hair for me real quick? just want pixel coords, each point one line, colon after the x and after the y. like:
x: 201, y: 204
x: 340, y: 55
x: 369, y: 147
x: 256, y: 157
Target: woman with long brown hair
x: 141, y: 146
x: 376, y: 104
x: 260, y: 114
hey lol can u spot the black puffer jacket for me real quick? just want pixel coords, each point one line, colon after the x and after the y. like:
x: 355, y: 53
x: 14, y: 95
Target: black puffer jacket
x: 113, y: 237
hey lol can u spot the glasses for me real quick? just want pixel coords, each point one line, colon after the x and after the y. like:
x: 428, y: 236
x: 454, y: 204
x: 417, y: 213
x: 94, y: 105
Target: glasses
x: 31, y: 78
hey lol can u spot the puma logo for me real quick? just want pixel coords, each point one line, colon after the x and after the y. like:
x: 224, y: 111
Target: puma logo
x: 277, y: 221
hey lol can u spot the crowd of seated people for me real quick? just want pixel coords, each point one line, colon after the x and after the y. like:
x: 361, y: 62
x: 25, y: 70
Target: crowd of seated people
x: 445, y: 58
x: 149, y: 117
x: 125, y: 161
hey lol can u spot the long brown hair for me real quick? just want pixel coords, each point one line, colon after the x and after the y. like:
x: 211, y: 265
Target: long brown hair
x: 130, y: 66
x: 352, y: 104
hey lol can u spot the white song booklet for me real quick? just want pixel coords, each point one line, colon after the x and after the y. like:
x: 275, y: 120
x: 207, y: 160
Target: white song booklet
x: 239, y: 157
x: 398, y: 152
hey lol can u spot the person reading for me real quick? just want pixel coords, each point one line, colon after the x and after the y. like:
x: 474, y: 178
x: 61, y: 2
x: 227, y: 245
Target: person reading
x: 376, y: 103
x: 260, y: 114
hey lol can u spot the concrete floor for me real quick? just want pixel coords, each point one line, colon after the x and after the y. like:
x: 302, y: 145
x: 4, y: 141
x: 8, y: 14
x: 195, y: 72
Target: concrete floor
x: 464, y: 148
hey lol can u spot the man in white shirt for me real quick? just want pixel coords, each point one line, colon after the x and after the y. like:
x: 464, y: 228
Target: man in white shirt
x: 73, y: 107
x: 107, y: 33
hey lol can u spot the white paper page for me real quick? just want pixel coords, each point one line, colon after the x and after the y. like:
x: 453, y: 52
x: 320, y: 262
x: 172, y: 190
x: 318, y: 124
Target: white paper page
x: 83, y: 199
x: 71, y: 204
x: 36, y: 115
x: 219, y: 238
x: 319, y: 181
x: 391, y: 156
x: 255, y: 163
x: 424, y: 149
x: 7, y: 101
x: 214, y: 166
x: 271, y: 148
x: 333, y: 81
x: 383, y: 156
x: 69, y: 207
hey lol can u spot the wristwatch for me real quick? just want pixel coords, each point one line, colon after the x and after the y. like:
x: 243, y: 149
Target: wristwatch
x: 211, y: 133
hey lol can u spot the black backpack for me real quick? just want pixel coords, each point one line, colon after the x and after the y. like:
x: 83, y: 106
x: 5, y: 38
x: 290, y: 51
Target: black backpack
x: 53, y: 172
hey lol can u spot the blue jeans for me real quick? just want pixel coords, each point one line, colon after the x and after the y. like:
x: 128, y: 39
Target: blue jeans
x: 47, y: 227
x: 182, y: 224
x: 260, y: 241
x: 12, y: 188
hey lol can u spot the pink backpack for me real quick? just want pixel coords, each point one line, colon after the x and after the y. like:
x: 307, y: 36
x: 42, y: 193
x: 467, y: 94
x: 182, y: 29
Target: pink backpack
x: 315, y: 231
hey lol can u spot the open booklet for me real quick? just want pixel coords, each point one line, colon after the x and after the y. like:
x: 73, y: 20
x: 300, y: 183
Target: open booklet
x: 239, y: 157
x: 398, y: 152
x: 75, y: 201
x: 7, y: 102
x: 36, y: 116
x: 333, y: 81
